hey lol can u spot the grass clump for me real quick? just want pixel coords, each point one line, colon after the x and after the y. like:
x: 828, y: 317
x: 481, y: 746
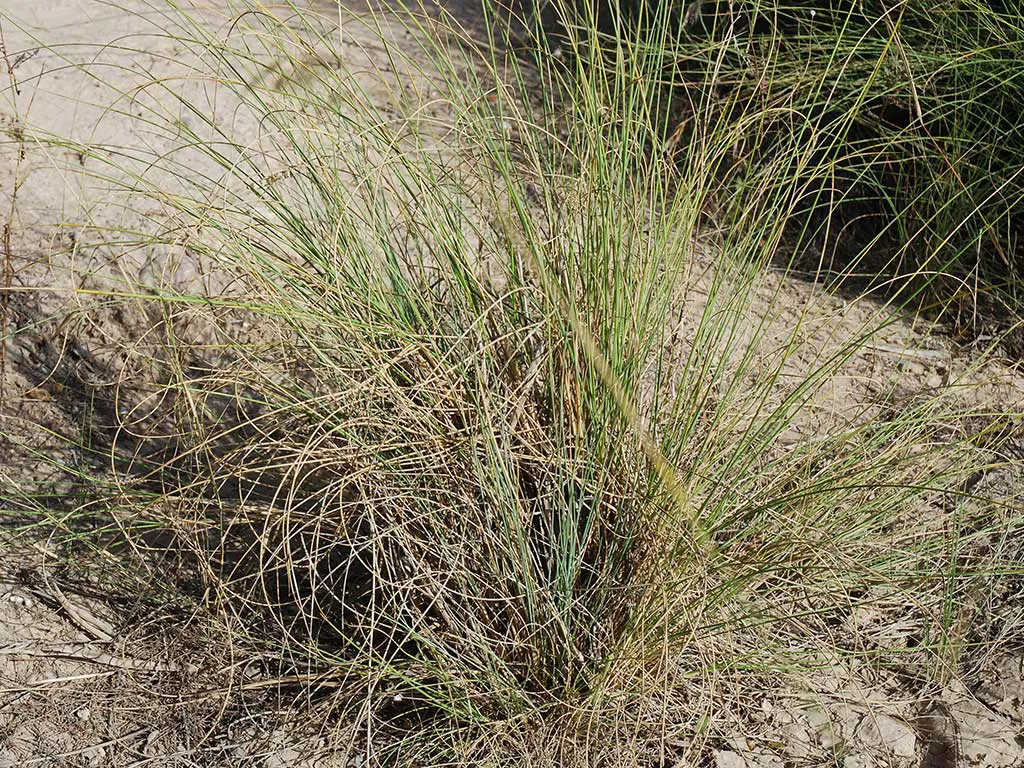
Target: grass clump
x: 907, y: 109
x: 474, y: 420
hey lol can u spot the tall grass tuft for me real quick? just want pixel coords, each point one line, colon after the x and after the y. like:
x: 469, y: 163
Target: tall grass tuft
x: 908, y: 111
x: 475, y: 419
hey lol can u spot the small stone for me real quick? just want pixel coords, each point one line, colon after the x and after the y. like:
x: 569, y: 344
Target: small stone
x: 986, y: 738
x: 727, y: 759
x: 83, y: 714
x: 825, y: 731
x: 151, y: 746
x: 789, y: 437
x: 283, y: 758
x: 889, y: 734
x: 857, y: 761
x: 817, y: 716
x: 765, y: 760
x: 739, y: 744
x: 94, y: 757
x: 797, y: 741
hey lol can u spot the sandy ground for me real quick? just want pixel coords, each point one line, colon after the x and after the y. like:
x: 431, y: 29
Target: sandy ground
x: 85, y: 680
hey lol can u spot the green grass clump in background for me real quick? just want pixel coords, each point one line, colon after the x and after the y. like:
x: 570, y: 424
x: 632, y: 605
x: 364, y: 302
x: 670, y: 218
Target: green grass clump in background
x: 479, y: 430
x: 909, y: 109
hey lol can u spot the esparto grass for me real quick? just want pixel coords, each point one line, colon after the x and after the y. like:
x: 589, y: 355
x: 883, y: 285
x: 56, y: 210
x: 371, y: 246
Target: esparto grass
x: 454, y: 436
